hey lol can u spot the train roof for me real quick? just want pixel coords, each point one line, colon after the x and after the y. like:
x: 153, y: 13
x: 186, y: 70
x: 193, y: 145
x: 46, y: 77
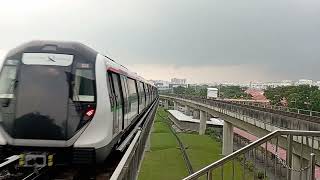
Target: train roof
x: 65, y: 47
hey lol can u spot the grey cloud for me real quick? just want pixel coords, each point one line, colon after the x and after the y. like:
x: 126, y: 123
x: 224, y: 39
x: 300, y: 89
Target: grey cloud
x: 282, y: 36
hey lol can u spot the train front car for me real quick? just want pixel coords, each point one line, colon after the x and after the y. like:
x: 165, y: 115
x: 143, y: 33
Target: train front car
x: 47, y: 98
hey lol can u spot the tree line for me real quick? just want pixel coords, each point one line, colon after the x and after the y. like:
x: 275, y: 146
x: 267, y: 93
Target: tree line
x: 301, y: 97
x: 229, y: 92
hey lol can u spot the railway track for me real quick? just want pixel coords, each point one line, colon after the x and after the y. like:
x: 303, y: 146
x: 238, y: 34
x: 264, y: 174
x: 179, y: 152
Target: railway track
x: 181, y: 145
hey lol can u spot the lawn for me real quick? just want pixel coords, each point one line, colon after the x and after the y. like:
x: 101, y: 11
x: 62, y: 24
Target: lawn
x: 165, y: 162
x: 203, y: 150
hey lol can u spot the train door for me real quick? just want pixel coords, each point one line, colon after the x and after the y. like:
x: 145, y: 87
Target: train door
x: 112, y: 103
x: 116, y: 101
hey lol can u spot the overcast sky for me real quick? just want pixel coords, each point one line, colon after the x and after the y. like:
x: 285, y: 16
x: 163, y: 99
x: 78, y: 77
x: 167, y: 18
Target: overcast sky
x: 201, y: 40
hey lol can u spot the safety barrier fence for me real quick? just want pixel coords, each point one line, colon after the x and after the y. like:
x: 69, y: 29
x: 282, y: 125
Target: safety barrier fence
x: 129, y: 165
x: 258, y: 163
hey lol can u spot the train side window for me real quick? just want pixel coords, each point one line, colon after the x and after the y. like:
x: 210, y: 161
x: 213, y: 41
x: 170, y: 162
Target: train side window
x: 125, y: 94
x: 133, y: 98
x: 152, y: 92
x: 141, y: 96
x: 145, y: 93
x: 149, y: 93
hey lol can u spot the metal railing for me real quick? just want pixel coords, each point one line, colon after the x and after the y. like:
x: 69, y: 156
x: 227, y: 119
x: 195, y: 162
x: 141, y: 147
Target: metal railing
x: 266, y: 159
x: 279, y: 108
x: 129, y: 165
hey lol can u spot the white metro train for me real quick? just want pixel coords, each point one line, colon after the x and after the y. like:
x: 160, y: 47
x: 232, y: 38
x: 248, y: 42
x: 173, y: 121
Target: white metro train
x: 64, y: 100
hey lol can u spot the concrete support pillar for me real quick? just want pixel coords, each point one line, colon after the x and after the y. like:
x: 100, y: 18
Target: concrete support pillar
x: 190, y: 111
x: 196, y: 114
x: 227, y: 144
x: 187, y: 110
x: 203, y: 122
x: 166, y: 104
x: 175, y: 105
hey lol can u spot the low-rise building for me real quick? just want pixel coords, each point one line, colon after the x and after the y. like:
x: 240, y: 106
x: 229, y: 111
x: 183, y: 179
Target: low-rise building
x: 178, y: 81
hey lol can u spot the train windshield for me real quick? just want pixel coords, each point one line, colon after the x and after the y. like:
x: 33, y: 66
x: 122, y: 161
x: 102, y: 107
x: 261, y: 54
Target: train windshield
x: 42, y: 99
x: 8, y: 79
x: 48, y: 90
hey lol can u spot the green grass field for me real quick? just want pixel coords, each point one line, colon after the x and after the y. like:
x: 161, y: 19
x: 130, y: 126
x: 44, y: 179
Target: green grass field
x: 165, y: 162
x: 203, y: 150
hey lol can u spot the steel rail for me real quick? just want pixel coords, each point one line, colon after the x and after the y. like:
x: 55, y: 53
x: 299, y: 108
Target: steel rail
x: 182, y: 147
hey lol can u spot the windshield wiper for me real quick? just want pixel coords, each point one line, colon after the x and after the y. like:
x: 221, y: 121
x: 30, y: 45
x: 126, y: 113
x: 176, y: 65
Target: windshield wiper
x: 50, y: 58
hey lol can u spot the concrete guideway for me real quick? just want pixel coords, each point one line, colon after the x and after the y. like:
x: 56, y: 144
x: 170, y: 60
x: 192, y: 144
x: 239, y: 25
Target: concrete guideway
x: 183, y: 122
x: 256, y: 121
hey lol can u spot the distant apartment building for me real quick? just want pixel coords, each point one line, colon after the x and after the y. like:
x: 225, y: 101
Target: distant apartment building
x: 265, y: 85
x: 304, y: 82
x: 161, y: 85
x: 177, y: 81
x: 178, y: 85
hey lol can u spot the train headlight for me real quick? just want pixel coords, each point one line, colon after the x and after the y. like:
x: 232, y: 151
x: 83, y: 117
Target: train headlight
x: 89, y: 113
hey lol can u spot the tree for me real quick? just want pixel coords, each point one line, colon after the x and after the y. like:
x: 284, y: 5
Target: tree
x: 179, y: 90
x: 315, y: 100
x: 232, y: 92
x: 301, y: 97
